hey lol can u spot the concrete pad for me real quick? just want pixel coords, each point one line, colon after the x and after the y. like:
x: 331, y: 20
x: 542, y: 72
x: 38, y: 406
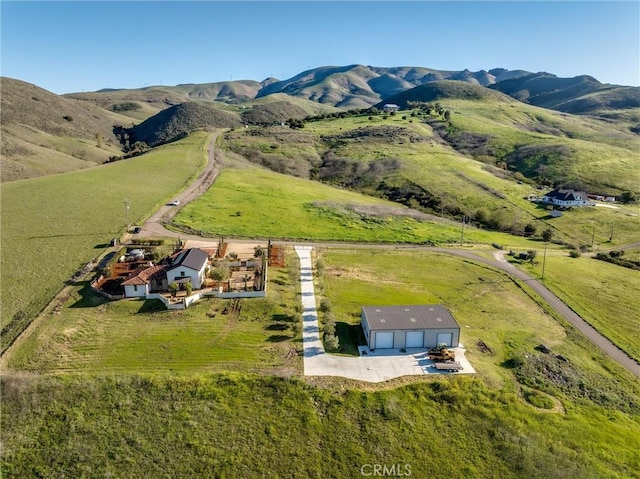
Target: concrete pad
x: 374, y: 366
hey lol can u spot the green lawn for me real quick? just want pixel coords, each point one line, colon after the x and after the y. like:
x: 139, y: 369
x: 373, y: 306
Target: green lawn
x: 91, y: 334
x: 603, y: 294
x: 52, y: 226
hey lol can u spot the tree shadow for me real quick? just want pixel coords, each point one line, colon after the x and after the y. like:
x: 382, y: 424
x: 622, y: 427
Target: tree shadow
x: 283, y: 317
x: 277, y: 327
x: 278, y: 338
x: 350, y: 337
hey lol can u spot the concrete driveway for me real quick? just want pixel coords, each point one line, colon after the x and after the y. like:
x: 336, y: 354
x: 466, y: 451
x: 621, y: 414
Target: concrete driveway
x: 375, y: 366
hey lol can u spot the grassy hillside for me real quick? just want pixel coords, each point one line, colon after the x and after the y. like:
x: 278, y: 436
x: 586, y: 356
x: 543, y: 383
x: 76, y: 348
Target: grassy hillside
x: 53, y: 226
x: 235, y: 425
x: 273, y: 112
x: 254, y: 202
x: 43, y: 133
x: 407, y: 160
x: 178, y: 121
x: 581, y: 94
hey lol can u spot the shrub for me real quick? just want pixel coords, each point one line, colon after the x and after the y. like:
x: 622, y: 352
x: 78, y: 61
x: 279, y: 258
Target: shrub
x: 575, y: 253
x: 188, y: 288
x: 530, y: 229
x: 173, y: 289
x: 325, y: 305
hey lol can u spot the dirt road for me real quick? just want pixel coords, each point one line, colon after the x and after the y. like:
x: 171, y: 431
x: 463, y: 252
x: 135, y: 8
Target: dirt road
x: 154, y: 225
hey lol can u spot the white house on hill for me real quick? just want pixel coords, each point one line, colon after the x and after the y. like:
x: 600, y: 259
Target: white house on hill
x: 566, y: 198
x: 188, y: 266
x: 389, y: 107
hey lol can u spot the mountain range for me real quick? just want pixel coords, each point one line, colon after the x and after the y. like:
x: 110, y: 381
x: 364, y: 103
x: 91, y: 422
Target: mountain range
x: 44, y: 133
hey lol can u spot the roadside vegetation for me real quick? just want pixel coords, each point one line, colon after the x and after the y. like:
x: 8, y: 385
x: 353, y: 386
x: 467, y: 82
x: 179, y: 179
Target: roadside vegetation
x: 605, y: 295
x: 53, y: 226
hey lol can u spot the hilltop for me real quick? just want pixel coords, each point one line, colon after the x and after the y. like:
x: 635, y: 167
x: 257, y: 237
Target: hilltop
x: 180, y: 120
x: 443, y: 90
x: 578, y: 95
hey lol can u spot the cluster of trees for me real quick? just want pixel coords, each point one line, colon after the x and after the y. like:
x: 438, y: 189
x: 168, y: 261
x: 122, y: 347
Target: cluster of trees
x: 616, y: 257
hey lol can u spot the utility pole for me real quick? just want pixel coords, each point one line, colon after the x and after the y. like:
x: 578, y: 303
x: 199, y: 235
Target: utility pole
x: 611, y: 236
x: 544, y: 259
x: 462, y: 232
x: 126, y: 212
x: 593, y: 234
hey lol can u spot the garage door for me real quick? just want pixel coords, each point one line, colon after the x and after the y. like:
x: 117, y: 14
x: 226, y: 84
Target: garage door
x: 384, y: 340
x: 415, y: 339
x: 446, y: 338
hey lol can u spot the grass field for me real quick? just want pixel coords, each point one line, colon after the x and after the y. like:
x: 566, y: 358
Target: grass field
x: 91, y: 334
x: 460, y: 182
x: 604, y: 294
x: 254, y: 202
x: 234, y: 425
x: 52, y: 226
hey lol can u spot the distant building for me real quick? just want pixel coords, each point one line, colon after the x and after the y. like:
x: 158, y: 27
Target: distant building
x: 566, y: 198
x: 389, y: 107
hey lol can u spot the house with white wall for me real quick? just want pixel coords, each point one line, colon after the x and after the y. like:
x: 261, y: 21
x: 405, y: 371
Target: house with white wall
x: 566, y: 198
x: 188, y: 266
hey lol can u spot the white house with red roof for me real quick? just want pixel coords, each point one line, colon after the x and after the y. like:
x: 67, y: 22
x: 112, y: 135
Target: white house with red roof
x: 145, y: 280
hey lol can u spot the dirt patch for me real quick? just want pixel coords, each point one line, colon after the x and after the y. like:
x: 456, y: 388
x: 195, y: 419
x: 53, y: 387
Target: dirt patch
x: 483, y: 347
x: 389, y: 134
x: 380, y: 211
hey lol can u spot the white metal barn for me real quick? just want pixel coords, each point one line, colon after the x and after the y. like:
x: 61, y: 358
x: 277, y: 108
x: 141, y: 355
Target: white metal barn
x: 418, y: 326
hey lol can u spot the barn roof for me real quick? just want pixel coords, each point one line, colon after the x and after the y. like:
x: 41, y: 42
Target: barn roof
x: 426, y: 316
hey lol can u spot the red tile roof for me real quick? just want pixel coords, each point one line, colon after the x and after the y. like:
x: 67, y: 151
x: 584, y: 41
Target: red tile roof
x: 143, y: 275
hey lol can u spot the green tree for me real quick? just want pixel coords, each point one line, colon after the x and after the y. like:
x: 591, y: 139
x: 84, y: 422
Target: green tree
x: 188, y: 288
x: 447, y: 115
x: 532, y: 255
x: 628, y: 197
x: 530, y: 229
x: 173, y: 289
x: 547, y: 234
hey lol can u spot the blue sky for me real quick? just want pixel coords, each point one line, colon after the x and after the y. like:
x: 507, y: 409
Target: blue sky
x: 85, y: 46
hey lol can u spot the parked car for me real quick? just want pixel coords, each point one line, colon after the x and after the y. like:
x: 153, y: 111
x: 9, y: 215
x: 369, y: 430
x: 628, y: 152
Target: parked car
x: 174, y: 203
